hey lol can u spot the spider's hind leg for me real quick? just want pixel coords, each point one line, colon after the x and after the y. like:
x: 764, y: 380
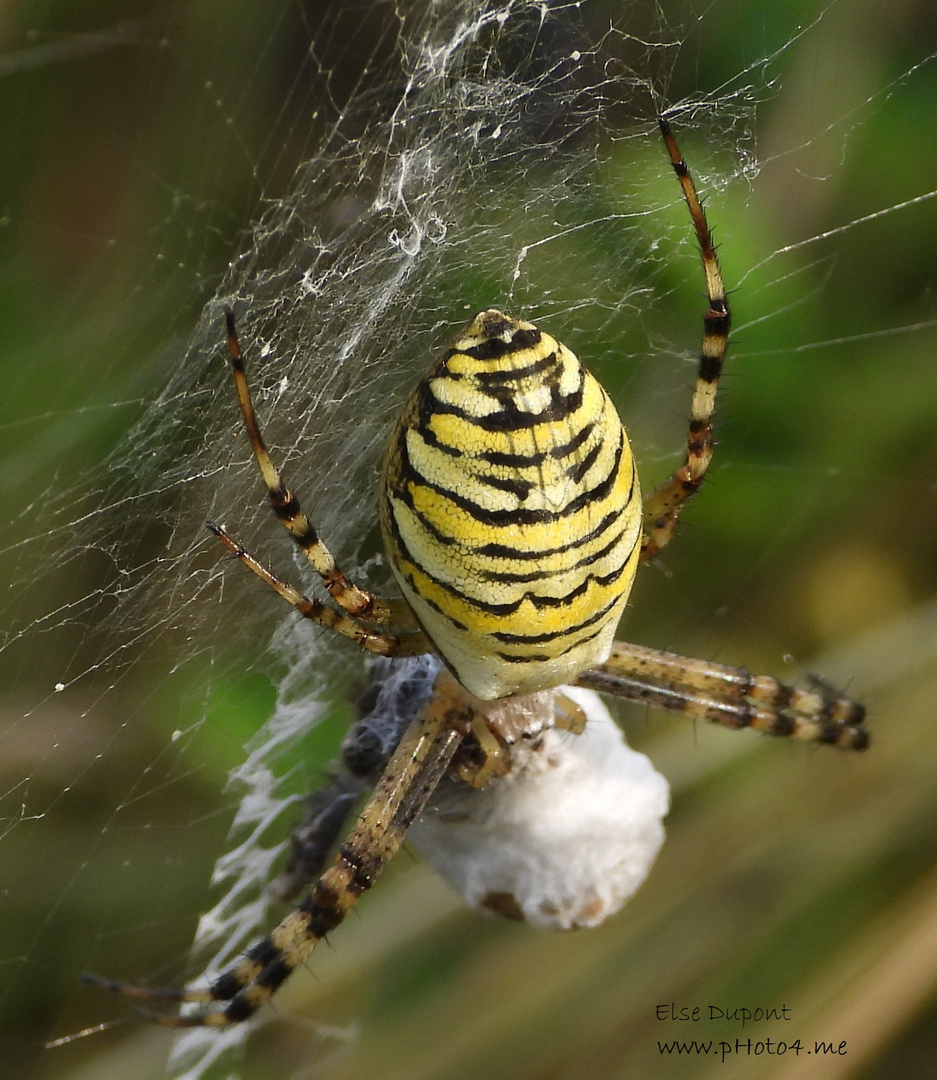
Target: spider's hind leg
x: 662, y: 506
x: 359, y: 603
x: 361, y: 631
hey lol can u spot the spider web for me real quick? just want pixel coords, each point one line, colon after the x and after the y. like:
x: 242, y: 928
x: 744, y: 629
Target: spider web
x: 356, y: 181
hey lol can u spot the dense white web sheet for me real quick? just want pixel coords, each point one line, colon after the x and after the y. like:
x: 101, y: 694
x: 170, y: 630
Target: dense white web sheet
x: 443, y: 157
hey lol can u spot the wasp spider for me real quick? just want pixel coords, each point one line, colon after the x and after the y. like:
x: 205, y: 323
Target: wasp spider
x: 512, y: 516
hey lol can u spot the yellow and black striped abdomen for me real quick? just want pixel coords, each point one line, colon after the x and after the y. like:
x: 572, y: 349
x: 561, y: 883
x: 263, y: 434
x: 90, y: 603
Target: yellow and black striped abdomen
x: 511, y: 510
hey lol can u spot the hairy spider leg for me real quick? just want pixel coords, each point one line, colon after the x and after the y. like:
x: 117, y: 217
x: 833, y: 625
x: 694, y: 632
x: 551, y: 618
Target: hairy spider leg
x: 416, y: 767
x: 663, y: 505
x: 410, y: 643
x: 363, y: 605
x: 703, y: 690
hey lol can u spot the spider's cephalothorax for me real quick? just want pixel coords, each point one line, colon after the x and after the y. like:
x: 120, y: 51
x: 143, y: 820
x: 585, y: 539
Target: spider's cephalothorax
x: 512, y: 516
x: 511, y: 510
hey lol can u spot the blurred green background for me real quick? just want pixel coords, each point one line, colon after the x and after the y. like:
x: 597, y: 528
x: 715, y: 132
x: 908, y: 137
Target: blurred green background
x: 139, y: 140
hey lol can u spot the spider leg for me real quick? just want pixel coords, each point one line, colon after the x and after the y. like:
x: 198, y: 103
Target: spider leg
x: 405, y: 786
x: 358, y: 602
x: 410, y: 643
x: 703, y: 690
x: 662, y: 507
x: 387, y: 705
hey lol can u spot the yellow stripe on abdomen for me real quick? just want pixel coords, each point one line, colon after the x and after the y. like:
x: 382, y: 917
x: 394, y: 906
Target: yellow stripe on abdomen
x: 511, y: 511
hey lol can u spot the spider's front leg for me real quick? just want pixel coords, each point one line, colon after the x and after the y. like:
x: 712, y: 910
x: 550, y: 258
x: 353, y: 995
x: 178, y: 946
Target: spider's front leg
x: 395, y: 693
x: 412, y: 774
